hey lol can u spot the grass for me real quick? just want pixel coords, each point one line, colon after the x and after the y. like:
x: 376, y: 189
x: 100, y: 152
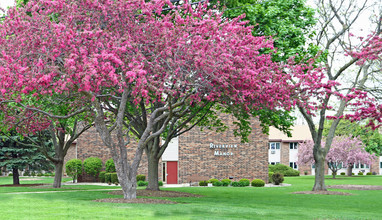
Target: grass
x: 217, y: 203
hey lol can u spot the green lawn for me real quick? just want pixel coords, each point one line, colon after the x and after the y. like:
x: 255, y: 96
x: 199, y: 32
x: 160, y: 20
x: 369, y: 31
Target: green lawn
x: 217, y: 203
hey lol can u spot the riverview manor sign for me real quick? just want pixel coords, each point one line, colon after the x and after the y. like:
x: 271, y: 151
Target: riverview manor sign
x: 224, y: 149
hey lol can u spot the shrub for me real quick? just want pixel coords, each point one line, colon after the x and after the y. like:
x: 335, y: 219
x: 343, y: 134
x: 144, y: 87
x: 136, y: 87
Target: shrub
x: 47, y: 174
x: 39, y: 174
x: 369, y: 173
x: 114, y: 178
x: 213, y: 181
x: 142, y: 183
x: 360, y: 174
x: 217, y: 183
x: 26, y: 173
x: 52, y: 174
x: 257, y: 183
x: 270, y: 177
x: 352, y: 174
x: 244, y: 182
x: 226, y: 182
x: 278, y: 178
x: 342, y: 173
x: 33, y: 173
x: 93, y: 166
x: 101, y: 176
x: 141, y: 177
x: 108, y: 177
x: 160, y: 183
x: 203, y: 183
x: 73, y: 168
x: 237, y: 184
x: 283, y: 169
x: 11, y: 174
x: 109, y: 166
x: 305, y: 173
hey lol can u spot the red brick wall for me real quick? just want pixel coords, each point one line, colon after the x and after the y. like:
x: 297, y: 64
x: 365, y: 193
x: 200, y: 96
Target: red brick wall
x: 374, y: 167
x: 71, y: 154
x: 249, y: 160
x: 284, y: 154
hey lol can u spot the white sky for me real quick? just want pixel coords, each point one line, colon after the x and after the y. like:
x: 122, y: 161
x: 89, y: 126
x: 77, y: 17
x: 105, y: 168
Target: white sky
x: 5, y: 3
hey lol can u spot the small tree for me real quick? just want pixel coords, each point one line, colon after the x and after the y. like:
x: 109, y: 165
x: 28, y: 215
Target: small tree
x: 93, y: 166
x: 74, y: 168
x: 345, y: 151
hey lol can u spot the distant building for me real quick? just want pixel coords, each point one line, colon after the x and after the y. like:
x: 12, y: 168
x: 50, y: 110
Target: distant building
x: 283, y: 149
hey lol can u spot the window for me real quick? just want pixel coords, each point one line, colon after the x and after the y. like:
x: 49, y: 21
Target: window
x: 274, y: 163
x: 274, y: 145
x: 313, y: 166
x: 293, y: 145
x: 367, y: 166
x: 380, y: 164
x: 362, y: 166
x: 293, y: 165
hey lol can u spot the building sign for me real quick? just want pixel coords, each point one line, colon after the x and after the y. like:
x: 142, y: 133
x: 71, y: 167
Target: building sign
x: 223, y: 149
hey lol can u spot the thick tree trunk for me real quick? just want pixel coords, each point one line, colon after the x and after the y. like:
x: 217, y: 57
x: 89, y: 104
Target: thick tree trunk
x: 319, y: 181
x: 58, y: 173
x: 152, y: 178
x: 349, y: 170
x: 16, y: 177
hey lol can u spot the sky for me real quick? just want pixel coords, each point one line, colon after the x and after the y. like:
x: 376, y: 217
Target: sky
x: 5, y: 3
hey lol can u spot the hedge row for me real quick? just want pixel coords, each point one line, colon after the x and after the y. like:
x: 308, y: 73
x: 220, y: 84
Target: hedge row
x: 227, y: 182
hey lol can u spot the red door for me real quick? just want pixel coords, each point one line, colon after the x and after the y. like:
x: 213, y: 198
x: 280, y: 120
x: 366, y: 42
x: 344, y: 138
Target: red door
x: 172, y: 172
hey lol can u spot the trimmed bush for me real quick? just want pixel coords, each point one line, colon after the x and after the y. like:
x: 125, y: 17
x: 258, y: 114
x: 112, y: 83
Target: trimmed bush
x: 283, y: 169
x: 160, y: 183
x: 141, y: 177
x: 142, y: 183
x: 108, y: 177
x: 203, y: 183
x: 352, y: 174
x: 342, y: 173
x: 270, y: 177
x: 217, y: 183
x: 74, y: 168
x: 11, y: 174
x: 226, y: 182
x: 278, y: 178
x: 305, y: 173
x: 360, y: 174
x: 237, y: 184
x: 244, y: 182
x: 101, y: 176
x: 114, y: 178
x: 369, y: 173
x: 33, y: 173
x: 40, y: 174
x: 109, y: 166
x: 213, y: 180
x: 52, y: 174
x: 47, y: 174
x: 93, y: 166
x: 257, y: 183
x: 26, y: 173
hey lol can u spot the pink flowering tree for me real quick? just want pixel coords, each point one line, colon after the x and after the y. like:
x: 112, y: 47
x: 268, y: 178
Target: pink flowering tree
x: 349, y: 98
x: 345, y: 151
x: 139, y: 73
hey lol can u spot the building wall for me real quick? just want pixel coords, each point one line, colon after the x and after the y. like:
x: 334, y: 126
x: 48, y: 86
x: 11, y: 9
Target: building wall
x: 197, y: 151
x: 285, y: 153
x: 71, y: 154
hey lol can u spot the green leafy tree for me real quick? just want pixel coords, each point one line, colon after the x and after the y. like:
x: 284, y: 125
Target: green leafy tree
x: 74, y: 168
x: 372, y: 139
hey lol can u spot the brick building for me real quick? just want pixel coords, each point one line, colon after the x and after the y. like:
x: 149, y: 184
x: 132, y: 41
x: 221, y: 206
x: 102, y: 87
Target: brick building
x: 196, y: 153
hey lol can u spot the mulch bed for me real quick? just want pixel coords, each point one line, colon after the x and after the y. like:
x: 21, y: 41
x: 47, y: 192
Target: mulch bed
x: 148, y: 193
x: 21, y: 185
x: 160, y: 193
x: 138, y: 200
x: 356, y: 187
x: 324, y: 193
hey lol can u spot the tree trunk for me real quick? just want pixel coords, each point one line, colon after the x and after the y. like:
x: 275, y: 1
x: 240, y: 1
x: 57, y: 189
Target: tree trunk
x: 152, y: 178
x: 16, y: 178
x: 319, y: 181
x: 58, y: 173
x: 349, y: 170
